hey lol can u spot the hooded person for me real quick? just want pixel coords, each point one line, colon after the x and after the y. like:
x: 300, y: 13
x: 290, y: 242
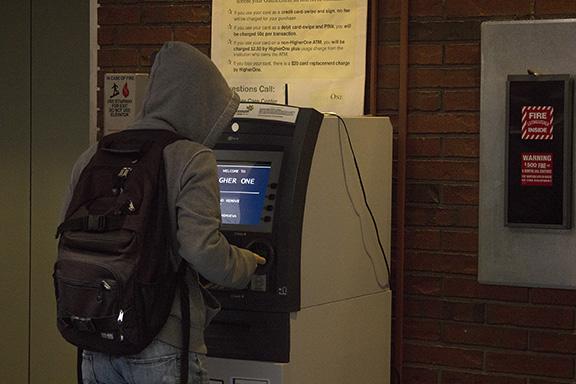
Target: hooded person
x: 186, y: 94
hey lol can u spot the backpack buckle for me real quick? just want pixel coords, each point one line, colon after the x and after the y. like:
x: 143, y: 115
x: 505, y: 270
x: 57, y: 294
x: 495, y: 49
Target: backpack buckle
x: 96, y: 223
x: 83, y: 324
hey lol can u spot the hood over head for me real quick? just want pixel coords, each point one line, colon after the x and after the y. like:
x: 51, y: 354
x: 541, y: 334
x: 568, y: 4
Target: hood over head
x: 187, y: 94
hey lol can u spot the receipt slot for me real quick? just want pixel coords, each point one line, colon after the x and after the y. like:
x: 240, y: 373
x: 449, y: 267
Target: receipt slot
x: 319, y: 310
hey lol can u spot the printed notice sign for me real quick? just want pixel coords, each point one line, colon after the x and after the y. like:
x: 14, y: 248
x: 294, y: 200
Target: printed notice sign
x: 267, y: 112
x: 537, y: 169
x: 301, y: 52
x: 537, y: 123
x: 123, y: 94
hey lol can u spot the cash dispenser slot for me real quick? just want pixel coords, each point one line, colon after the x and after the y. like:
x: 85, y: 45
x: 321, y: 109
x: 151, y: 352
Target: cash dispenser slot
x: 261, y: 336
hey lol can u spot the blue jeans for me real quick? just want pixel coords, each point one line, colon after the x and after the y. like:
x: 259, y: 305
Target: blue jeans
x: 159, y: 363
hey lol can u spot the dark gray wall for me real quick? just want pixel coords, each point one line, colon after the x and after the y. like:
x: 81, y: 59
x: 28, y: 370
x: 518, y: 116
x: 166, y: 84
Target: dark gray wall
x: 14, y: 189
x: 44, y: 125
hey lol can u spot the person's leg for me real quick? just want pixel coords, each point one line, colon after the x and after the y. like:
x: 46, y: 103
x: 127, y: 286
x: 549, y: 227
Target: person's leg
x: 97, y: 368
x: 159, y: 363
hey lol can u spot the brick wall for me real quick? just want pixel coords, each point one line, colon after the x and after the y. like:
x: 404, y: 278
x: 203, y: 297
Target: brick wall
x: 131, y: 30
x: 457, y: 331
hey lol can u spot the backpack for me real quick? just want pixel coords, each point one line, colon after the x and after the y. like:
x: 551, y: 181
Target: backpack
x: 114, y: 277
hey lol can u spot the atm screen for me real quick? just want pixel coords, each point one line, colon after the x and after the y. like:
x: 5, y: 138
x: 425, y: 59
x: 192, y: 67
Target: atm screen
x: 248, y: 182
x: 243, y: 187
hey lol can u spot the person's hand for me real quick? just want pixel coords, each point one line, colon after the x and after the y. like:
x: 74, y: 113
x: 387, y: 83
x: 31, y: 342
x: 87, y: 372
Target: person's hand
x: 259, y: 259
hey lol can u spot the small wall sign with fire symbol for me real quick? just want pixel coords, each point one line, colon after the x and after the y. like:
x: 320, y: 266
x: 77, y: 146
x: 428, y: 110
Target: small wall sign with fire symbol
x: 122, y: 93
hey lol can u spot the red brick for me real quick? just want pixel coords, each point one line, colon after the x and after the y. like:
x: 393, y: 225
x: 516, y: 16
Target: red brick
x: 205, y: 49
x: 115, y: 15
x: 390, y: 9
x: 145, y: 57
x: 461, y: 100
x: 426, y: 308
x: 118, y: 57
x: 530, y: 364
x: 431, y: 308
x: 443, y: 123
x: 459, y: 287
x: 442, y: 30
x: 389, y: 31
x: 387, y: 99
x: 496, y: 337
x: 553, y: 342
x: 442, y: 217
x: 423, y: 285
x: 143, y: 35
x: 422, y: 54
x: 422, y: 330
x: 193, y: 35
x: 470, y: 8
x: 422, y: 193
x: 461, y: 147
x: 423, y: 146
x: 443, y: 356
x: 422, y: 77
x: 422, y: 8
x: 412, y: 375
x: 106, y: 35
x: 449, y: 377
x: 460, y: 194
x: 388, y: 54
x: 441, y: 262
x: 101, y: 2
x: 426, y: 101
x: 530, y: 316
x: 553, y: 296
x: 423, y: 239
x: 538, y: 381
x: 442, y: 170
x: 555, y: 7
x: 465, y: 311
x: 425, y: 54
x: 388, y: 76
x: 464, y: 241
x: 418, y: 8
x: 176, y: 14
x: 457, y: 53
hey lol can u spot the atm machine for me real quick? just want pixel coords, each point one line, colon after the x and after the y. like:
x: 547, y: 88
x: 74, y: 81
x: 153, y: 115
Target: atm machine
x: 313, y: 196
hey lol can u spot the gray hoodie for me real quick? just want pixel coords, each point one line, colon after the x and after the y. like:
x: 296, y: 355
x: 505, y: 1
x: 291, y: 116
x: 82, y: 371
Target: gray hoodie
x: 187, y: 94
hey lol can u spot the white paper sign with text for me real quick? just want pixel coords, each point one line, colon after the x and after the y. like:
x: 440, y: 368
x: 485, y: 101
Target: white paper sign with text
x: 308, y: 53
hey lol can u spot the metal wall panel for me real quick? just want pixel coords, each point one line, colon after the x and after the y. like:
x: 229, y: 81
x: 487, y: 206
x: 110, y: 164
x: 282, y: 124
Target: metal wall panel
x: 507, y: 255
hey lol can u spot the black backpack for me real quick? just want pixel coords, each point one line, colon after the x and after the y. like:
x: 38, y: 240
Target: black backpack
x: 114, y: 278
